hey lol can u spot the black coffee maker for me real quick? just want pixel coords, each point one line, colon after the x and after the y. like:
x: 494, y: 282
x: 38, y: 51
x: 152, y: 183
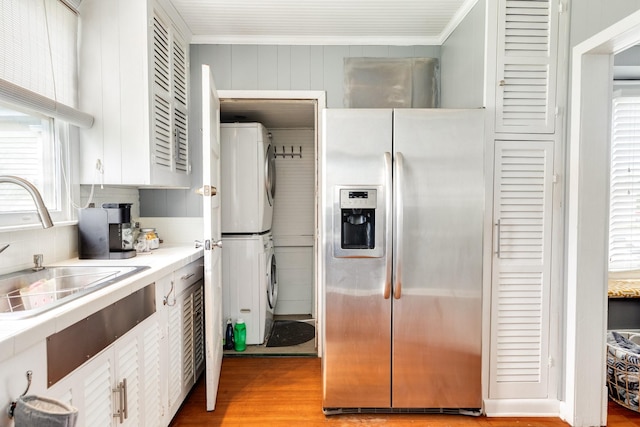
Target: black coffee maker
x: 106, y: 232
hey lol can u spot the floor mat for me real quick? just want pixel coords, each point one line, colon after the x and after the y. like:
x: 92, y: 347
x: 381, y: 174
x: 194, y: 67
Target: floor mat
x: 290, y: 332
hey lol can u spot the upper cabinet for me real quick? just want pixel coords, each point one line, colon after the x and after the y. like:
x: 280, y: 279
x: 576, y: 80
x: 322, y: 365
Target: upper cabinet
x: 134, y: 68
x: 527, y: 55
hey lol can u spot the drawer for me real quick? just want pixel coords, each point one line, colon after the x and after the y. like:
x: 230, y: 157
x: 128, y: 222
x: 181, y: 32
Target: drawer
x: 188, y: 275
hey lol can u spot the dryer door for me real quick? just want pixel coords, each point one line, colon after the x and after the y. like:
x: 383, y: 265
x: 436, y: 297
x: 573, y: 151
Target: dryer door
x: 272, y: 282
x: 270, y: 174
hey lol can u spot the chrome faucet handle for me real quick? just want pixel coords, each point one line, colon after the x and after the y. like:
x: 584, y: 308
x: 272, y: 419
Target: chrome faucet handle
x: 37, y: 262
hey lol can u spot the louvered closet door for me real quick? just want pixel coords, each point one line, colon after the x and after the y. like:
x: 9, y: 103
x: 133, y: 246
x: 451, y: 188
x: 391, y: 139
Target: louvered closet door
x: 521, y: 269
x: 527, y: 57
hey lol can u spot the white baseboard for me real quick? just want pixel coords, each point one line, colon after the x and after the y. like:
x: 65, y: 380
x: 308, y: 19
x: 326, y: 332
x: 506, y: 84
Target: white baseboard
x: 522, y: 408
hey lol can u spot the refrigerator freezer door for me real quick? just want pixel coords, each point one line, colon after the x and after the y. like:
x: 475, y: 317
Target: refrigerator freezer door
x: 437, y: 318
x: 357, y: 347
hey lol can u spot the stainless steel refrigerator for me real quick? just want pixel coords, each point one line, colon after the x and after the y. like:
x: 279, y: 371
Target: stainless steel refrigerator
x: 402, y: 227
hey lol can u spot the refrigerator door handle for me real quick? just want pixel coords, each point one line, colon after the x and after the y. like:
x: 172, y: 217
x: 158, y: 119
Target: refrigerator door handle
x: 399, y: 223
x: 388, y: 185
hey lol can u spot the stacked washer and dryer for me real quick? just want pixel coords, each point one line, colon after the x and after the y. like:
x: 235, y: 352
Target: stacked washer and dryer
x: 249, y: 279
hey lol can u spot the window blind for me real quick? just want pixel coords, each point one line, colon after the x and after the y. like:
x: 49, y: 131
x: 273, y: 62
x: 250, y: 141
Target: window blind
x: 38, y: 58
x: 624, y: 216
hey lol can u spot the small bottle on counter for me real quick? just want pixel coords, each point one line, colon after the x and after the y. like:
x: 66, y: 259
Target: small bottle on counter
x: 228, y: 340
x: 240, y: 336
x: 147, y: 240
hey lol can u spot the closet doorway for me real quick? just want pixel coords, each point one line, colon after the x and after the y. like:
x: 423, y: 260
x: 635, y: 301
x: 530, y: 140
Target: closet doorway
x: 293, y: 120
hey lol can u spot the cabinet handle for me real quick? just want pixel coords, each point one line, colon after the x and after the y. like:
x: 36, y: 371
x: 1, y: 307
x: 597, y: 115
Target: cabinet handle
x: 123, y: 408
x: 125, y: 405
x: 119, y: 412
x: 187, y: 276
x: 176, y: 144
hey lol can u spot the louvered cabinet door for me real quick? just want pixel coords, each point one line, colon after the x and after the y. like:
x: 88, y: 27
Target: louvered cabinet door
x: 97, y: 406
x: 174, y: 342
x: 170, y: 153
x: 187, y: 341
x: 151, y: 396
x: 521, y: 269
x: 527, y: 55
x: 198, y: 329
x: 179, y: 71
x: 127, y: 362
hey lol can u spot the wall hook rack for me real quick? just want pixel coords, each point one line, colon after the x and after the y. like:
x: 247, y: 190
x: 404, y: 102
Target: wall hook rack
x: 12, y: 406
x: 290, y: 154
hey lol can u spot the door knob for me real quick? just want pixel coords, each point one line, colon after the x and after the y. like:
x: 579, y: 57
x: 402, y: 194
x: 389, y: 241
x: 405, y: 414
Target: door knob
x: 207, y: 191
x: 208, y: 244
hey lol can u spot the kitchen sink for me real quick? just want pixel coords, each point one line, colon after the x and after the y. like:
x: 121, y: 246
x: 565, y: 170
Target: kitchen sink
x: 27, y: 293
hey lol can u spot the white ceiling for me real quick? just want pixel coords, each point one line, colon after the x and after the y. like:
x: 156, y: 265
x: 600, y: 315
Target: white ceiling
x: 272, y: 113
x: 324, y: 22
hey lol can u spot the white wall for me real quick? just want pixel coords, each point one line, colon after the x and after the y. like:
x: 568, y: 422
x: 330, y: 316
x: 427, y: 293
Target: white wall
x: 462, y: 62
x: 588, y: 17
x: 55, y: 244
x: 268, y: 67
x: 294, y: 220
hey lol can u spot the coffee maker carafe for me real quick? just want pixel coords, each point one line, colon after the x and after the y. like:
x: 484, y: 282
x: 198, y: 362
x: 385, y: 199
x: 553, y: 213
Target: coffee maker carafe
x: 105, y: 233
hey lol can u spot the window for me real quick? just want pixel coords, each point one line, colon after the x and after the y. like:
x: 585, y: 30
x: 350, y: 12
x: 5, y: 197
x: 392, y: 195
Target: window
x: 624, y: 216
x: 28, y: 149
x: 38, y: 96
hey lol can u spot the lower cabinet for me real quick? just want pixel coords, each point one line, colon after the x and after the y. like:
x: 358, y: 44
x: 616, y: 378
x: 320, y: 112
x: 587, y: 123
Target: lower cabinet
x: 144, y: 376
x: 122, y: 384
x: 185, y: 337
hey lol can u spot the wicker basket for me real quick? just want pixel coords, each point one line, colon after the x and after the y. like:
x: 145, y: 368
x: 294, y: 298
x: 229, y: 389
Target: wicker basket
x: 623, y: 368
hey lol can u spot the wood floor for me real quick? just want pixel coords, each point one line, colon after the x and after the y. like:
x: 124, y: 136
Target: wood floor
x: 287, y: 391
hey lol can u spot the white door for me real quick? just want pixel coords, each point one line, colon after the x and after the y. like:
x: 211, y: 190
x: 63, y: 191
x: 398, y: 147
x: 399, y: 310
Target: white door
x: 212, y: 237
x: 523, y: 198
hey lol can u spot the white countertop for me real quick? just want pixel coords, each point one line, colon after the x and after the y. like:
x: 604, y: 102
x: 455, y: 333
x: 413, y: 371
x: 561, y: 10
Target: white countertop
x: 18, y: 335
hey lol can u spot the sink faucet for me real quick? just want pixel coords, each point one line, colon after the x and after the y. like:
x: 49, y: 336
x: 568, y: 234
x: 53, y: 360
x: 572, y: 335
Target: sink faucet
x: 43, y: 213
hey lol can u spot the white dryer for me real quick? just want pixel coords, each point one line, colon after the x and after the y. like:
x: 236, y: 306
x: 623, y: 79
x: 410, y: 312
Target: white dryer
x: 247, y: 178
x: 249, y: 283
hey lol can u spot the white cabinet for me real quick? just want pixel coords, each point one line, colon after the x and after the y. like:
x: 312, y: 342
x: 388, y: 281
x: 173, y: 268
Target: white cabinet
x: 134, y: 81
x: 144, y: 376
x: 523, y: 189
x: 185, y: 332
x: 527, y: 56
x: 121, y: 385
x: 530, y: 39
x: 155, y: 347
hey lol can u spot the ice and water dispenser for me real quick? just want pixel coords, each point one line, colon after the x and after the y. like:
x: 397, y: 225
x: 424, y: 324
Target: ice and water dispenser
x: 357, y: 223
x: 358, y: 216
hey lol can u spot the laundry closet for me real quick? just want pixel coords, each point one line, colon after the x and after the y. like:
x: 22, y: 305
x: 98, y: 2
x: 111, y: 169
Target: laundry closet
x: 268, y: 272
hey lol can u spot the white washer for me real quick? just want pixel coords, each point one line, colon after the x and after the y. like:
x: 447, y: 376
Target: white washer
x: 247, y: 178
x: 249, y: 283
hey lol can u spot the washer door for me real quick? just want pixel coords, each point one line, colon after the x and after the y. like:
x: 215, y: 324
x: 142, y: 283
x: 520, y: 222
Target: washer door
x: 272, y: 282
x: 270, y: 174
